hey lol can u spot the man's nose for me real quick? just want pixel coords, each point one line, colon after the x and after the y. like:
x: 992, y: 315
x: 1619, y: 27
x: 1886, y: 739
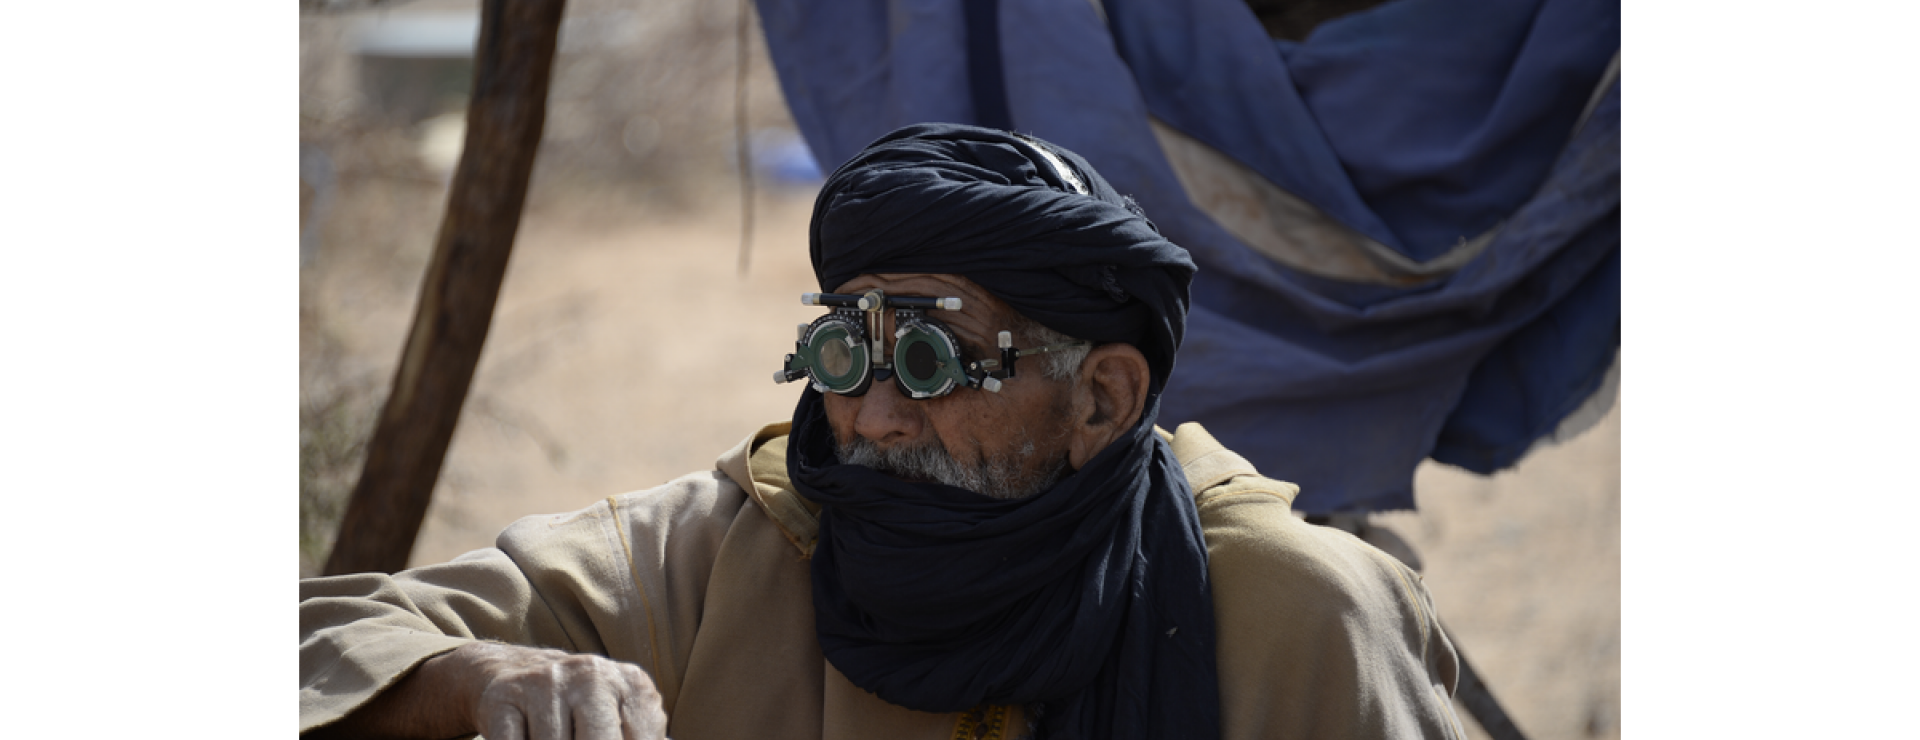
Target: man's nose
x: 886, y: 417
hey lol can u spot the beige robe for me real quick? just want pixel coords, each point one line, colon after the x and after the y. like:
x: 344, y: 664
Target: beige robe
x: 704, y: 583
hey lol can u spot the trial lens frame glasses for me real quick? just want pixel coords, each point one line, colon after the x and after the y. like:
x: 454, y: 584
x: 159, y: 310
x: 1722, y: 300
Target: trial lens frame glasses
x: 842, y: 352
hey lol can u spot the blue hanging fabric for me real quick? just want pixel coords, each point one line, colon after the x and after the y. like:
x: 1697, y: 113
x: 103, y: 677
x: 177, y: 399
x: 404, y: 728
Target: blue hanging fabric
x: 1407, y: 224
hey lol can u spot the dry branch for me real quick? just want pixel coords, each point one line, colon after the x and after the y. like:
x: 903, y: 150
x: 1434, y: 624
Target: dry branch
x: 512, y: 68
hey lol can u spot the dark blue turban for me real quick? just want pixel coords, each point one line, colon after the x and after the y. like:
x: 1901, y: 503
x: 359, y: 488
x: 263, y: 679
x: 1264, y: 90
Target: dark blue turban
x: 988, y: 205
x: 1089, y: 601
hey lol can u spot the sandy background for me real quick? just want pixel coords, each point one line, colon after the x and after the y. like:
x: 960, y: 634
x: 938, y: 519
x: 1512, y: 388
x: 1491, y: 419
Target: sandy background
x: 628, y: 349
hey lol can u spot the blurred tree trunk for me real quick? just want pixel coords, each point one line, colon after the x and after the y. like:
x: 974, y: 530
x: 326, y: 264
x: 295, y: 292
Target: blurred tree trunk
x: 505, y: 118
x: 1477, y: 697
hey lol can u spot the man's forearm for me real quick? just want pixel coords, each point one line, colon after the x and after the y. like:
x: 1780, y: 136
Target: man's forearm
x: 434, y: 700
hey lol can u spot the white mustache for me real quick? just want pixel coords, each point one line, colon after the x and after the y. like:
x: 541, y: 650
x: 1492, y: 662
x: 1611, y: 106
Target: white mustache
x: 996, y: 477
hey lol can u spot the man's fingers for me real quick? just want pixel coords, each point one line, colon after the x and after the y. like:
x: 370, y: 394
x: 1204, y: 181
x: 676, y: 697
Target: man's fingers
x: 643, y: 716
x: 596, y: 703
x: 550, y: 718
x: 504, y: 722
x: 597, y: 717
x: 536, y: 694
x: 637, y: 703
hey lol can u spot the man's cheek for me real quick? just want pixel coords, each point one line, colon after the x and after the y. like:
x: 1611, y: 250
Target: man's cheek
x: 840, y: 417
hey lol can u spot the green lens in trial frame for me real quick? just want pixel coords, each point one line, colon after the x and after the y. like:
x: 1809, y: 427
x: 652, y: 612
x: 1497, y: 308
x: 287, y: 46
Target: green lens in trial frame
x: 926, y: 357
x: 833, y: 350
x: 840, y: 352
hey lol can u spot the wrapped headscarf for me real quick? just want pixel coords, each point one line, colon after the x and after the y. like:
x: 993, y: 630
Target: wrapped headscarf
x: 1030, y: 222
x: 1089, y: 600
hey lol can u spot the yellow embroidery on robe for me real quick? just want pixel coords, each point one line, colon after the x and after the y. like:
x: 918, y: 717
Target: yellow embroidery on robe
x: 982, y: 723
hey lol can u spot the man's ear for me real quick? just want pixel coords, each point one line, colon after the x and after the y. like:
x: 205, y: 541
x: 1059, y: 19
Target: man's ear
x: 1108, y: 399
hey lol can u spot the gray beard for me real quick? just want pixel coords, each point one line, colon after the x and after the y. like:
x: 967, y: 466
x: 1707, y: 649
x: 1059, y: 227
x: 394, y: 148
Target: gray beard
x: 996, y: 477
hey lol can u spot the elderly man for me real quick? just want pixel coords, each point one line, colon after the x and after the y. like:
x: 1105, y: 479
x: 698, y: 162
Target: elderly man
x: 945, y: 541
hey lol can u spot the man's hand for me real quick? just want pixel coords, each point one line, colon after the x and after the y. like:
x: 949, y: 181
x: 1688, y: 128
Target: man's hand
x: 536, y: 694
x: 508, y: 692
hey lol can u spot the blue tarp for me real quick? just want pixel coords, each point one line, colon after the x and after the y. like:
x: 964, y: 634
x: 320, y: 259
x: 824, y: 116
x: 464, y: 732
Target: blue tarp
x: 1472, y: 147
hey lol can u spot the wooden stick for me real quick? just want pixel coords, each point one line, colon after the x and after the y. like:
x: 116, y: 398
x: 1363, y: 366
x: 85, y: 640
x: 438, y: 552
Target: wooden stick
x: 513, y: 62
x: 1473, y: 694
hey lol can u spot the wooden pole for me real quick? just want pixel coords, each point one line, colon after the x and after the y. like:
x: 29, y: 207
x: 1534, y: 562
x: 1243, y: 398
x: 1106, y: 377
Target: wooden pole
x: 513, y: 62
x: 1473, y: 694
